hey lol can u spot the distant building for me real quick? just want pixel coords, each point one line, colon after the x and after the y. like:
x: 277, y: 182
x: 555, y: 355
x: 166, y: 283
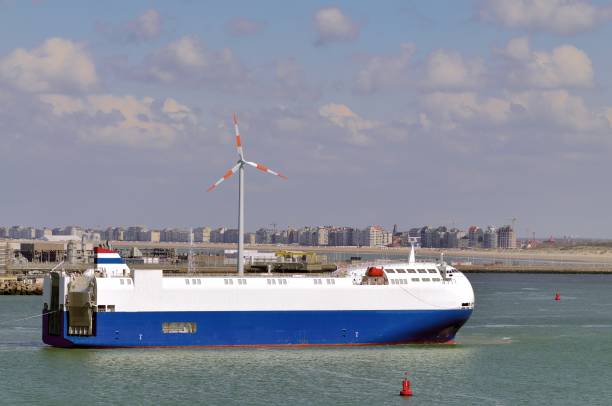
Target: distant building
x: 375, y: 236
x: 249, y: 238
x: 475, y: 236
x: 43, y: 232
x: 506, y: 238
x: 3, y: 232
x: 321, y: 237
x: 426, y: 234
x: 439, y: 237
x: 490, y: 238
x: 264, y: 236
x: 201, y: 234
x: 150, y: 236
x: 28, y: 233
x: 113, y: 234
x: 175, y: 235
x: 133, y: 233
x: 305, y: 236
x: 452, y: 238
x: 68, y: 230
x: 14, y: 232
x: 341, y: 237
x: 216, y: 235
x: 231, y: 236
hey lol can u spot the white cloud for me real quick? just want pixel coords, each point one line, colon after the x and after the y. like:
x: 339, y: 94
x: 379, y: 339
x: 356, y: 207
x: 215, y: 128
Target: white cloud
x: 561, y: 16
x: 177, y: 111
x: 448, y: 69
x: 343, y: 117
x: 147, y: 26
x: 382, y: 72
x: 242, y: 26
x: 452, y: 110
x: 564, y: 66
x: 123, y: 119
x: 56, y: 65
x: 332, y: 25
x: 518, y: 48
x: 187, y: 60
x: 560, y: 109
x: 536, y: 111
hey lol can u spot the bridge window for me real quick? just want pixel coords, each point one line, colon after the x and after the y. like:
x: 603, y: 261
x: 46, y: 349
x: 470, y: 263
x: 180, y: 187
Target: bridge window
x: 432, y: 271
x: 390, y: 270
x: 422, y: 271
x: 101, y: 308
x: 411, y: 271
x: 401, y: 271
x: 435, y: 279
x: 186, y: 281
x: 110, y: 308
x: 122, y: 281
x: 199, y: 281
x: 426, y: 279
x: 415, y: 279
x: 179, y: 328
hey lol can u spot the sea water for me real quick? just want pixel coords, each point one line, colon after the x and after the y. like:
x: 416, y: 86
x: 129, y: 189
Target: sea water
x: 520, y: 347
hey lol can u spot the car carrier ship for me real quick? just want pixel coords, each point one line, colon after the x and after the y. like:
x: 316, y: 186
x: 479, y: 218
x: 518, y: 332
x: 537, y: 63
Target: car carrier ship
x: 112, y: 305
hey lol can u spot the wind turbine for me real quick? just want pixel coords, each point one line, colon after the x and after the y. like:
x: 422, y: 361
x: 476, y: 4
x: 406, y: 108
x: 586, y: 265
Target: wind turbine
x: 240, y: 168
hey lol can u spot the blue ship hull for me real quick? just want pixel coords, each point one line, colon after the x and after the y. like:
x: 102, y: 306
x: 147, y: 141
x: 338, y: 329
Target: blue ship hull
x: 264, y: 328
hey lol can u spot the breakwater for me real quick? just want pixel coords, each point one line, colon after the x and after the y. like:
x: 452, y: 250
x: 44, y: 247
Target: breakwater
x: 16, y: 287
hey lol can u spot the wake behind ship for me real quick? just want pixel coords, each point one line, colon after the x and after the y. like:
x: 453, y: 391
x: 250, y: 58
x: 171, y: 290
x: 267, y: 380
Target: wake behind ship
x: 112, y: 305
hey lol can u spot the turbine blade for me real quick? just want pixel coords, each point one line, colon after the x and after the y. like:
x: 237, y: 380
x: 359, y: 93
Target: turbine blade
x: 264, y: 168
x: 227, y: 175
x: 238, y: 141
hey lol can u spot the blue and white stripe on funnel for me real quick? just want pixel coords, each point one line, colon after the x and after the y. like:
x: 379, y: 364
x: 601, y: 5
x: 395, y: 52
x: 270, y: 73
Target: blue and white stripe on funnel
x: 110, y: 261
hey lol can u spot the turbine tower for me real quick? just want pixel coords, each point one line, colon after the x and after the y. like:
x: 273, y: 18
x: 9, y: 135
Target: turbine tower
x: 240, y: 168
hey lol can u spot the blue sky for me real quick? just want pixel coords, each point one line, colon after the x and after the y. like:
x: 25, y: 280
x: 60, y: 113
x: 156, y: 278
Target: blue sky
x: 446, y: 112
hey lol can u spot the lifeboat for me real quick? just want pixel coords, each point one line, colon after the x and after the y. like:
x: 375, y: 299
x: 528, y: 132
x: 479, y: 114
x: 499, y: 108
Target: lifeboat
x: 375, y: 272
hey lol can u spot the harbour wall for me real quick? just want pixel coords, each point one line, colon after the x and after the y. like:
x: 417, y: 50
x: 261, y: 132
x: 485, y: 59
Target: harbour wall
x: 16, y: 287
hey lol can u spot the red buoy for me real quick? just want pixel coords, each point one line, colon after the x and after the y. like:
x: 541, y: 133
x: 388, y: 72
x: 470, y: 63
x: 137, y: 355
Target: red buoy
x: 406, y: 391
x: 557, y: 296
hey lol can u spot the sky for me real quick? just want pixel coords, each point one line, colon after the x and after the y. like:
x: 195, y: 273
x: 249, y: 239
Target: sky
x: 397, y: 112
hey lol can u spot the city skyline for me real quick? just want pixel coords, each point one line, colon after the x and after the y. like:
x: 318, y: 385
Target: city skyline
x: 442, y: 112
x: 503, y: 236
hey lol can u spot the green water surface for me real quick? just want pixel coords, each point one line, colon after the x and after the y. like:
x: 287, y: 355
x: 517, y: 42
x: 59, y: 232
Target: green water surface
x: 519, y: 348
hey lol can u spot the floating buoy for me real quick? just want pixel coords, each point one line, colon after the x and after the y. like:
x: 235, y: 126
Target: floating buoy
x: 406, y: 391
x: 557, y: 296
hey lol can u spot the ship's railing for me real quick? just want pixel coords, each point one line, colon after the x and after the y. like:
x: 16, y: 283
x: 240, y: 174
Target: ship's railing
x: 254, y: 275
